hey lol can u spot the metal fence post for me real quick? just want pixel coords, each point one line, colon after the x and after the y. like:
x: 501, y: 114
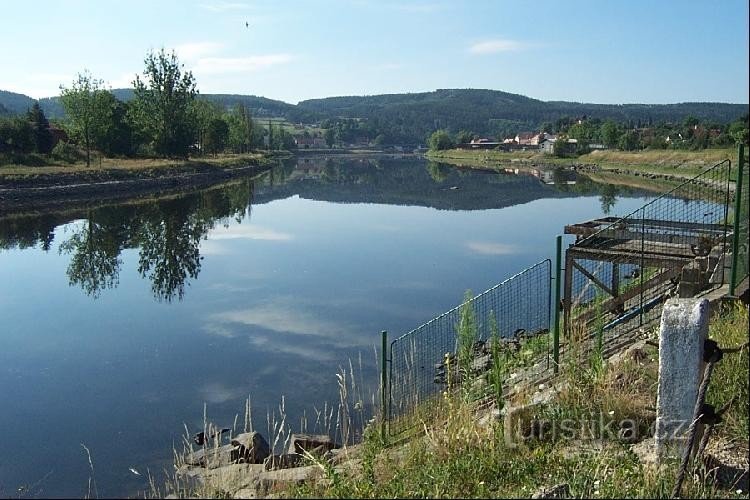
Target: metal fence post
x: 384, y: 385
x: 556, y: 306
x: 737, y: 215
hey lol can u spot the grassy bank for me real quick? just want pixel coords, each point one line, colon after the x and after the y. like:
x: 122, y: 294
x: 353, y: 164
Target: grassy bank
x: 457, y: 454
x: 130, y: 165
x: 676, y: 163
x: 586, y: 439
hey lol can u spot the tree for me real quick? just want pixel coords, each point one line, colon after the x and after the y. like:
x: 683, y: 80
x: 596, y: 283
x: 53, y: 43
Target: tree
x: 330, y: 136
x: 439, y: 140
x: 204, y: 112
x: 560, y: 147
x: 42, y: 137
x: 16, y: 135
x: 628, y: 141
x: 463, y: 137
x: 89, y: 110
x: 216, y: 136
x: 162, y: 107
x: 240, y: 129
x: 609, y: 133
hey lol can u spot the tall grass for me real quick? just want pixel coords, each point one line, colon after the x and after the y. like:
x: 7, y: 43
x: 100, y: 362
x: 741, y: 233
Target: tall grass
x: 456, y: 454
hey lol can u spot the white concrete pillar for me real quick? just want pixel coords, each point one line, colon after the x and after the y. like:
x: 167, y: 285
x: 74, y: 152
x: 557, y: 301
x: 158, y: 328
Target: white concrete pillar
x: 684, y: 328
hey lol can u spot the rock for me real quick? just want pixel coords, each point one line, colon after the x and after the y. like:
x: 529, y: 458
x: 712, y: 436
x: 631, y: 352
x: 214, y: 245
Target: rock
x: 312, y: 443
x: 233, y: 477
x: 212, y: 457
x: 481, y: 364
x: 283, y: 478
x: 284, y: 461
x: 561, y: 490
x: 252, y: 447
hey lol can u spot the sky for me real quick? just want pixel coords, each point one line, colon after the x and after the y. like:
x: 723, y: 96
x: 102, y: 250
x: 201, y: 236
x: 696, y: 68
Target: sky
x: 614, y: 51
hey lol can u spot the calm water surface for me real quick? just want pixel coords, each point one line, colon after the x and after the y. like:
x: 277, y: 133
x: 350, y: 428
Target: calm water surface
x: 118, y: 324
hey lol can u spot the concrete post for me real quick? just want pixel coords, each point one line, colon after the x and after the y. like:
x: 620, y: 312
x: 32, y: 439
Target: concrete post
x: 684, y: 328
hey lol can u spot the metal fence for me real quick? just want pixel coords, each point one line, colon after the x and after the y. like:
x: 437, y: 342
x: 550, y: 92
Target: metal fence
x: 740, y: 221
x: 618, y: 274
x: 620, y: 270
x: 517, y: 307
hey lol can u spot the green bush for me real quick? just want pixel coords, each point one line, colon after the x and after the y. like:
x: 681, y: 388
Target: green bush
x: 67, y: 152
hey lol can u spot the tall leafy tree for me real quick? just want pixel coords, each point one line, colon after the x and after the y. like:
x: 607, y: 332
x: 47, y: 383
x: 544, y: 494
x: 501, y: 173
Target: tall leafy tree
x: 440, y: 139
x: 610, y: 133
x: 40, y: 129
x: 89, y: 108
x: 163, y: 105
x: 240, y: 129
x: 215, y: 138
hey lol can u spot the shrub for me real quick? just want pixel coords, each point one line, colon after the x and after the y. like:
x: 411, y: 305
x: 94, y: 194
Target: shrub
x: 67, y: 152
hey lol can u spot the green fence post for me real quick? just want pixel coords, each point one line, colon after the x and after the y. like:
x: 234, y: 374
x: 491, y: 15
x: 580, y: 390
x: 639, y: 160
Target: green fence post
x: 556, y: 307
x: 383, y: 385
x: 737, y: 215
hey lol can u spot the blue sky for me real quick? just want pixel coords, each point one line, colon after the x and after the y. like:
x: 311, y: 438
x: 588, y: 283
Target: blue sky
x: 592, y: 51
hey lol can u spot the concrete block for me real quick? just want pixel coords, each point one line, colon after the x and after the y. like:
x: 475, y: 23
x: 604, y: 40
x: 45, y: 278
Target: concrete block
x: 684, y: 328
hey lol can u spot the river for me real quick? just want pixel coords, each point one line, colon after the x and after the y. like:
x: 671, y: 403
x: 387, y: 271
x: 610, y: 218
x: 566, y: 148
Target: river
x: 121, y: 323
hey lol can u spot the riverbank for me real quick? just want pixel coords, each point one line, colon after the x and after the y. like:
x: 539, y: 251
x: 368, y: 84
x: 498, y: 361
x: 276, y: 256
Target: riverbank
x: 624, y: 166
x: 459, y: 449
x: 40, y: 189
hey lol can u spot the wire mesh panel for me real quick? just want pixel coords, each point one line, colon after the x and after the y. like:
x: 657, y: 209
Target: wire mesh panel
x: 620, y: 271
x: 743, y: 217
x: 517, y: 307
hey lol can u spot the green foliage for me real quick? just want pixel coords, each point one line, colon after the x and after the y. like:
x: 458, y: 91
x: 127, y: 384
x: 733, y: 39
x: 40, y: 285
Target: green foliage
x: 64, y: 151
x: 89, y: 109
x: 561, y: 148
x: 330, y: 136
x: 216, y: 136
x: 241, y: 129
x: 729, y: 382
x: 464, y: 137
x: 466, y: 334
x: 439, y: 140
x: 609, y: 133
x: 41, y: 136
x: 16, y: 135
x: 628, y: 141
x: 162, y: 108
x: 497, y: 371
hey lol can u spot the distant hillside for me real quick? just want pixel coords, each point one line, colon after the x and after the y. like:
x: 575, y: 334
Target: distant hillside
x: 15, y: 103
x: 259, y: 106
x: 492, y: 112
x: 410, y: 118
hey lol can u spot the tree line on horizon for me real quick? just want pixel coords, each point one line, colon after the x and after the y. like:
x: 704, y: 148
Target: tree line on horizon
x: 690, y: 134
x: 165, y: 118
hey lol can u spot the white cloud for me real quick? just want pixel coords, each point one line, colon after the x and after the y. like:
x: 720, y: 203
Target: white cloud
x: 284, y: 318
x: 497, y: 45
x: 217, y: 65
x: 217, y: 393
x: 247, y: 232
x: 195, y: 50
x: 124, y: 81
x: 489, y: 248
x: 225, y: 6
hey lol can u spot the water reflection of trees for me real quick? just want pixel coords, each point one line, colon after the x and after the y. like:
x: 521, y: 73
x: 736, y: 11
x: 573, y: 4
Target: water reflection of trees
x: 167, y: 234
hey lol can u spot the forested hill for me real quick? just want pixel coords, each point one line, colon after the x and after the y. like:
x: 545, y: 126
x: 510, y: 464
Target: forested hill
x: 495, y: 113
x: 260, y: 107
x: 410, y: 118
